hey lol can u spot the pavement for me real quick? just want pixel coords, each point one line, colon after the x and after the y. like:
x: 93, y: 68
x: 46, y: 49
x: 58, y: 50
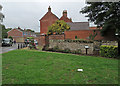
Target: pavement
x: 7, y: 48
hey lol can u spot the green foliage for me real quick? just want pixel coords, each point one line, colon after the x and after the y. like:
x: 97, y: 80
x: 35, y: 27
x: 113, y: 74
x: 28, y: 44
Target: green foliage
x: 30, y: 30
x: 56, y: 48
x: 11, y: 37
x: 58, y: 27
x: 67, y: 50
x: 4, y: 32
x: 75, y: 37
x: 109, y: 51
x: 78, y: 51
x: 92, y: 36
x: 31, y: 43
x: 104, y: 14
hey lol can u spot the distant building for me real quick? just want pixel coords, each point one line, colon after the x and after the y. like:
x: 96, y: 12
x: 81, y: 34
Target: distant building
x: 20, y: 35
x: 49, y: 18
x: 79, y: 30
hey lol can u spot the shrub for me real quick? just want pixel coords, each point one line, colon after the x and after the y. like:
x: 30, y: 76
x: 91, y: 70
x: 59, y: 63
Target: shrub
x: 56, y: 48
x: 78, y: 51
x: 108, y: 51
x: 73, y: 52
x: 66, y: 50
x: 10, y: 37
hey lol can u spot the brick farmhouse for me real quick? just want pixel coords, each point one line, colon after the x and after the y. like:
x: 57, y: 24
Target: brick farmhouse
x: 20, y: 35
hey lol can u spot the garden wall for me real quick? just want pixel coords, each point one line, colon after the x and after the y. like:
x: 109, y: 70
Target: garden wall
x: 73, y: 46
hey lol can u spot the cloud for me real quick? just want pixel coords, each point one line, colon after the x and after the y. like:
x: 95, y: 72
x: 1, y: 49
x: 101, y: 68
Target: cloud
x: 43, y: 0
x: 28, y: 14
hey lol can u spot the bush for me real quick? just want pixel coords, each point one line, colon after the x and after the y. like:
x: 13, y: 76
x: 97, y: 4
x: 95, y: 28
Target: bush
x: 109, y: 51
x: 56, y: 48
x: 10, y: 37
x: 66, y: 50
x: 76, y: 51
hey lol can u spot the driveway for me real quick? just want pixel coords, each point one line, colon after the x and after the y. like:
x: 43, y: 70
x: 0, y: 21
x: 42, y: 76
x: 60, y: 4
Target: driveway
x: 6, y: 48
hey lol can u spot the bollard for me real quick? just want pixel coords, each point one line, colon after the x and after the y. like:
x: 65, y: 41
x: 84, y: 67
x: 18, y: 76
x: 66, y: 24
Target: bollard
x: 18, y: 46
x: 21, y: 45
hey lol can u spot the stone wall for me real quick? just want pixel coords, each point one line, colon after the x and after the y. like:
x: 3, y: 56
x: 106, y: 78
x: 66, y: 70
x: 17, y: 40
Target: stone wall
x: 71, y: 45
x: 94, y: 47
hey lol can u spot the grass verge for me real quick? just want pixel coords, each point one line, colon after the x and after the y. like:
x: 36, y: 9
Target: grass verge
x: 36, y: 67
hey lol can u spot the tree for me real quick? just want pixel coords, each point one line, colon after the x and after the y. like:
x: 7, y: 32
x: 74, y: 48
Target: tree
x: 105, y: 15
x: 1, y: 15
x: 58, y: 27
x: 4, y: 31
x: 10, y: 37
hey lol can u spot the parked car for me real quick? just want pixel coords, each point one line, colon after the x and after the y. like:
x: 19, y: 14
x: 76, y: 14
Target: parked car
x: 7, y: 42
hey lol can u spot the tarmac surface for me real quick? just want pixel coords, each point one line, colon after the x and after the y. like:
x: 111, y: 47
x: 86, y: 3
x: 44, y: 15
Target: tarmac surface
x: 5, y: 49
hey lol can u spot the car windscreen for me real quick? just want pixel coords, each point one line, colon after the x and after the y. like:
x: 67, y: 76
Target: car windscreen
x: 6, y: 40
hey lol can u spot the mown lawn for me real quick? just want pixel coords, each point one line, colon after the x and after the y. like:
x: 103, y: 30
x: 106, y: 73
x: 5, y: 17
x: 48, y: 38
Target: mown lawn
x: 35, y: 67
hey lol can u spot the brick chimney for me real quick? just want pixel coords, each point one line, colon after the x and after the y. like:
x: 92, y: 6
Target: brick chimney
x: 49, y: 9
x: 65, y: 13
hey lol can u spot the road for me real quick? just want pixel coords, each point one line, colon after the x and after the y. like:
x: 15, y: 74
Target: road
x: 6, y: 48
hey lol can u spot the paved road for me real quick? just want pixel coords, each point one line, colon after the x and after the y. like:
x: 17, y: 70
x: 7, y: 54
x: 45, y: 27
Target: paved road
x: 6, y: 48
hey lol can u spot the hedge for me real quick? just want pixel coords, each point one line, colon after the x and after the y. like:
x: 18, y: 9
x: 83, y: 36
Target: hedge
x: 109, y: 51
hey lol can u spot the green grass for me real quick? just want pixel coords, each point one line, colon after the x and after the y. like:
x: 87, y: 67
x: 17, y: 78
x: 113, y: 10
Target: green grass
x: 34, y: 67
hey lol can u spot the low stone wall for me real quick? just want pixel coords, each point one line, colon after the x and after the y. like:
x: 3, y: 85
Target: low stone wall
x: 71, y: 45
x: 94, y: 46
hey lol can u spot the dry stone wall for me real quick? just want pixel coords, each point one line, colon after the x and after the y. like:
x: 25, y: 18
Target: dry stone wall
x: 94, y: 47
x: 72, y: 46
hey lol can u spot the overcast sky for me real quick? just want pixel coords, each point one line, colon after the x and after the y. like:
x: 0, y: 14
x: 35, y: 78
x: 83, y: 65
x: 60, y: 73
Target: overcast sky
x: 26, y: 14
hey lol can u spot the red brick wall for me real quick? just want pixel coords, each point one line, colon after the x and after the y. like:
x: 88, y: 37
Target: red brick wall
x: 47, y: 21
x: 81, y: 34
x: 60, y: 37
x: 41, y: 41
x: 15, y: 32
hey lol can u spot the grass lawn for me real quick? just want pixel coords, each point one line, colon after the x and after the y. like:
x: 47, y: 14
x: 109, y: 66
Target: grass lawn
x: 36, y: 67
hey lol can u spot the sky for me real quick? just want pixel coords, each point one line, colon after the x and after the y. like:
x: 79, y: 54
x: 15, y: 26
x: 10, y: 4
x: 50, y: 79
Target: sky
x: 27, y: 13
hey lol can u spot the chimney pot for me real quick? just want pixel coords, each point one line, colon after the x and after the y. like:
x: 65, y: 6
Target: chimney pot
x: 49, y: 9
x: 65, y: 13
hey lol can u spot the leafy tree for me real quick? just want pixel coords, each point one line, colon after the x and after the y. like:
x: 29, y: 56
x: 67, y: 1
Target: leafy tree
x: 11, y: 37
x: 1, y: 15
x: 104, y: 14
x: 92, y: 36
x: 4, y: 31
x: 58, y: 27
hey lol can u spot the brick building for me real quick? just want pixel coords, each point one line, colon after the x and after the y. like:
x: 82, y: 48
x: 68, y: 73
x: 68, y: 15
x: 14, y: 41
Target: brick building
x: 20, y: 35
x: 81, y: 30
x: 49, y: 18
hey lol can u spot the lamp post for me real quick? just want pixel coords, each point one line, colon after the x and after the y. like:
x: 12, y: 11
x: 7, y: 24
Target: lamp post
x: 86, y: 47
x: 118, y: 37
